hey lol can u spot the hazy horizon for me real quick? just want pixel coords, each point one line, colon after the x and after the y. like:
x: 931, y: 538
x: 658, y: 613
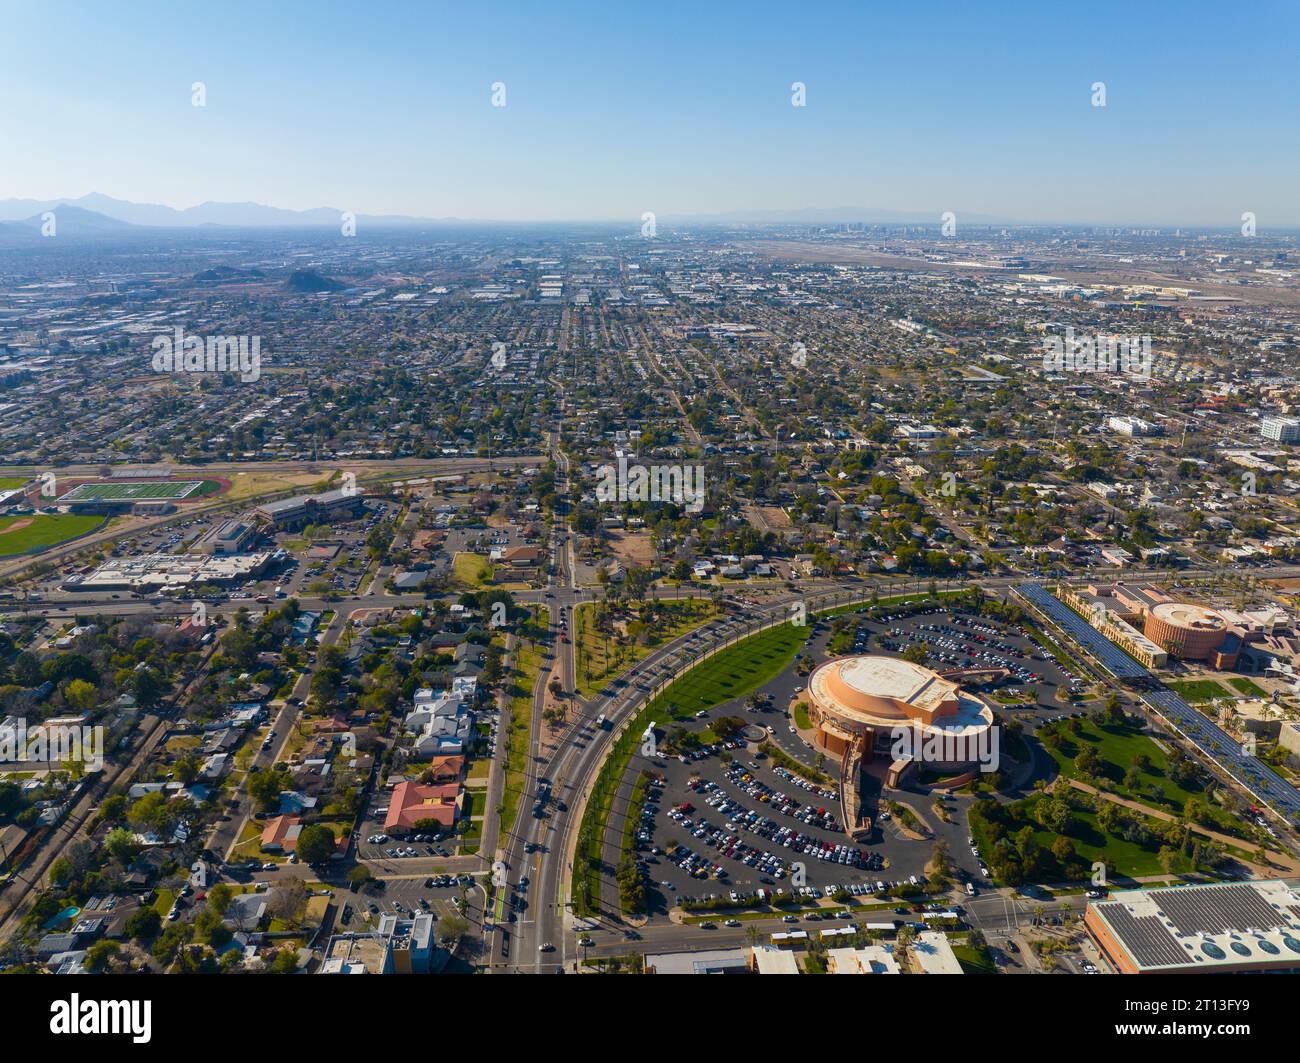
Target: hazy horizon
x: 674, y: 110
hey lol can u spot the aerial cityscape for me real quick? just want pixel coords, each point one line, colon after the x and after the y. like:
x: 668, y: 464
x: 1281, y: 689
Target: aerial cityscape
x: 746, y: 585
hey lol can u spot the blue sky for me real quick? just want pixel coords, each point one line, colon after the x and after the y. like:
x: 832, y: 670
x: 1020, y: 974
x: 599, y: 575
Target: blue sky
x: 677, y: 108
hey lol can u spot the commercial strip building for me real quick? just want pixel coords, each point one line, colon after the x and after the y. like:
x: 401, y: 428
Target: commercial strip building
x: 933, y: 954
x: 872, y: 959
x: 162, y: 572
x: 1218, y: 928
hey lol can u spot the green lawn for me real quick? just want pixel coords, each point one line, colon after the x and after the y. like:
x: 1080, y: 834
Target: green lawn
x: 9, y: 483
x: 801, y: 719
x: 1119, y: 748
x: 474, y: 803
x: 1244, y: 686
x: 972, y: 962
x: 471, y: 570
x: 42, y: 530
x: 735, y: 672
x: 1198, y: 690
x: 1123, y: 859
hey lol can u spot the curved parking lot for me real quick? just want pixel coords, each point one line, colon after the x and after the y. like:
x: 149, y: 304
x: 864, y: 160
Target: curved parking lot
x: 723, y: 820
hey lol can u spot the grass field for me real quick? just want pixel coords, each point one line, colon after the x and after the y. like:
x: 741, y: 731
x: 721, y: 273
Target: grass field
x: 973, y: 962
x: 735, y: 672
x: 134, y: 490
x: 1242, y: 685
x: 1202, y: 690
x: 1119, y: 748
x: 1123, y: 859
x: 471, y: 570
x: 21, y: 534
x: 8, y: 483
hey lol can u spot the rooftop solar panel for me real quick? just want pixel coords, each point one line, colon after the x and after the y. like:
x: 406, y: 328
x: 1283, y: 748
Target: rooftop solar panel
x: 1217, y: 909
x: 1145, y: 937
x: 1212, y: 740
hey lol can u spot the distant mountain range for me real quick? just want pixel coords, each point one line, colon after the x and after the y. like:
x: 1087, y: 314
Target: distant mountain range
x: 225, y: 215
x: 27, y: 212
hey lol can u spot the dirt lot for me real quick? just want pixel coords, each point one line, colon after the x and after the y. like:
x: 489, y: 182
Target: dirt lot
x: 632, y: 548
x: 766, y: 518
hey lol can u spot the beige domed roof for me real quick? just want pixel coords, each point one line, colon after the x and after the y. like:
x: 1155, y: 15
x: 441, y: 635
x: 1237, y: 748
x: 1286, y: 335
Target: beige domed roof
x: 1184, y: 615
x: 886, y: 688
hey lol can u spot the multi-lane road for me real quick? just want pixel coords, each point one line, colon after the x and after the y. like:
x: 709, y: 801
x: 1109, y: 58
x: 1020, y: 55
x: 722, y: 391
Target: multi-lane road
x: 543, y: 848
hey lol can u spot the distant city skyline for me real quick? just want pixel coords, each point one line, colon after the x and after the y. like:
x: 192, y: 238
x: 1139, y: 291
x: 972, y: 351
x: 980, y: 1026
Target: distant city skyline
x: 674, y: 109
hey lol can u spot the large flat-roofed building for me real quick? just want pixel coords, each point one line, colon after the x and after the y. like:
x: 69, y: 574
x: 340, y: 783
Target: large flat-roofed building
x: 395, y: 945
x: 1117, y: 611
x: 871, y: 959
x: 163, y: 572
x: 409, y: 942
x: 1218, y: 928
x: 233, y: 536
x: 933, y: 954
x: 1132, y: 426
x: 301, y: 510
x: 1281, y: 429
x: 710, y: 961
x: 768, y: 959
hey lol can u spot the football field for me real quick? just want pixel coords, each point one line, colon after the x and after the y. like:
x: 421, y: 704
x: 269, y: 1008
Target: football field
x: 132, y: 490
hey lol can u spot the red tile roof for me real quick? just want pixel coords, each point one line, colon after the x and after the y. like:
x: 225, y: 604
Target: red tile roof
x: 412, y: 803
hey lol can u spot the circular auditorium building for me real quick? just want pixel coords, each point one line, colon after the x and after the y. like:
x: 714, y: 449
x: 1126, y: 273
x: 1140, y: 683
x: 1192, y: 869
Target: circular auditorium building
x: 1190, y: 632
x: 870, y: 701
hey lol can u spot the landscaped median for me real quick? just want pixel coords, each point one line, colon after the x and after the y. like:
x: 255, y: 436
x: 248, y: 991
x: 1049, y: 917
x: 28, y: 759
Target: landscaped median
x: 608, y: 640
x: 518, y: 728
